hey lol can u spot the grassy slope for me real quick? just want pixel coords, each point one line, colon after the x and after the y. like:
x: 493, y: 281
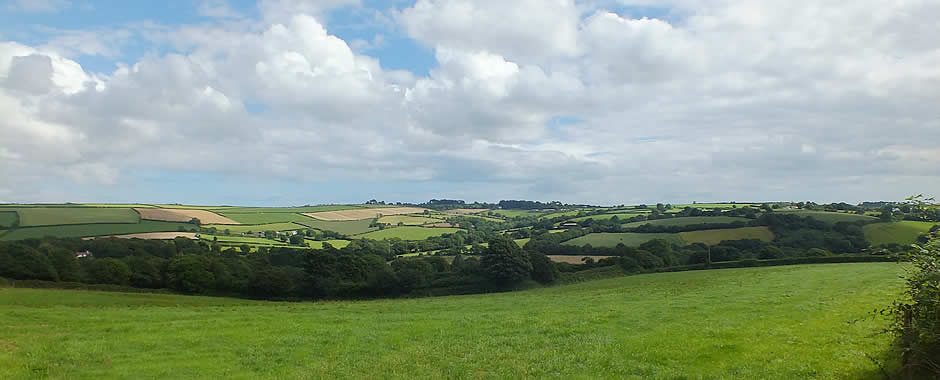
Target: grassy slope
x: 800, y: 322
x: 408, y: 233
x: 265, y: 217
x: 904, y: 232
x: 290, y: 209
x: 7, y: 218
x: 515, y: 213
x: 52, y: 216
x: 830, y: 217
x: 409, y: 220
x: 712, y: 237
x: 346, y: 227
x: 82, y: 230
x: 237, y: 229
x: 620, y: 215
x: 335, y: 243
x: 685, y: 221
x: 630, y: 239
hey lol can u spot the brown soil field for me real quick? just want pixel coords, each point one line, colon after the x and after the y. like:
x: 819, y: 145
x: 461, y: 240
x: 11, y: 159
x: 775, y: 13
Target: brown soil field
x: 359, y: 214
x: 183, y: 215
x: 151, y: 236
x: 573, y: 259
x: 467, y: 211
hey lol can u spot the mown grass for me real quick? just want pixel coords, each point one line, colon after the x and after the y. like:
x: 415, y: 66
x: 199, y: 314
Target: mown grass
x: 830, y: 217
x: 712, y: 237
x: 792, y: 322
x: 8, y: 218
x: 407, y: 233
x: 262, y: 217
x: 630, y: 239
x: 345, y: 227
x: 53, y: 216
x: 903, y: 232
x: 689, y: 220
x: 83, y: 230
x: 408, y: 220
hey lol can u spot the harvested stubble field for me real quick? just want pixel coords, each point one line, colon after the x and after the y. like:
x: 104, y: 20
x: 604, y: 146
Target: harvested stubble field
x: 365, y: 213
x: 183, y: 215
x: 792, y: 322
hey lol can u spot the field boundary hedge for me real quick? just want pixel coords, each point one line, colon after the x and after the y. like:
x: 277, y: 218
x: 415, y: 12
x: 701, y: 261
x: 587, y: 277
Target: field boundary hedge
x: 40, y: 284
x: 749, y: 263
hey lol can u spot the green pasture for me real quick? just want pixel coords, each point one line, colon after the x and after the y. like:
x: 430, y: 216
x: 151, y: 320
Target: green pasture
x: 712, y: 237
x: 408, y: 220
x: 335, y: 243
x: 54, y: 216
x: 117, y: 205
x: 300, y: 209
x: 83, y: 230
x: 621, y: 215
x: 264, y: 217
x: 789, y: 322
x: 239, y: 240
x: 516, y: 213
x: 723, y: 206
x: 521, y: 242
x: 240, y: 228
x: 345, y: 227
x: 193, y: 207
x: 904, y: 232
x: 407, y: 233
x: 630, y: 239
x: 830, y: 217
x: 8, y: 218
x: 689, y: 220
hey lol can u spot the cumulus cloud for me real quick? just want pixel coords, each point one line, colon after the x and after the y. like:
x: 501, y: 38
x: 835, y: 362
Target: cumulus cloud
x: 565, y: 100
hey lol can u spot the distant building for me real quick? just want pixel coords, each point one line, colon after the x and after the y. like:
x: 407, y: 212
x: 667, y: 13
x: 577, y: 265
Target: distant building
x: 569, y: 225
x: 83, y: 254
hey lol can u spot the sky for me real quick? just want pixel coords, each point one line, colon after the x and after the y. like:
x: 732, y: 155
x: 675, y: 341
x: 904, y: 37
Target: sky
x: 291, y: 102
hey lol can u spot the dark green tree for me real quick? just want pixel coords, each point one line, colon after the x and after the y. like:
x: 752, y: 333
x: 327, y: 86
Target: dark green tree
x: 110, y: 271
x: 543, y: 269
x: 504, y: 262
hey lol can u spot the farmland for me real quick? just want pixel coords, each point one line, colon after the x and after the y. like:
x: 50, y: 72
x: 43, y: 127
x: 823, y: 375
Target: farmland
x: 53, y: 216
x: 687, y: 221
x: 622, y: 215
x: 712, y: 237
x: 154, y: 235
x: 801, y: 322
x: 8, y: 218
x: 831, y: 217
x: 364, y: 213
x: 262, y: 217
x: 629, y: 239
x: 237, y: 229
x: 904, y: 232
x: 408, y: 233
x: 319, y: 244
x: 83, y: 230
x: 183, y: 215
x: 345, y: 227
x: 408, y: 220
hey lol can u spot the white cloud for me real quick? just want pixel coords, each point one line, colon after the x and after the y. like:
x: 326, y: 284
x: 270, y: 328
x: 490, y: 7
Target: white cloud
x: 39, y: 5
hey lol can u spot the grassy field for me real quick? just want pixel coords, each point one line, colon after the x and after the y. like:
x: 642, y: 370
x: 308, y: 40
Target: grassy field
x: 904, y: 232
x: 295, y: 210
x: 516, y: 213
x: 239, y: 240
x: 345, y: 227
x: 408, y: 220
x: 712, y: 237
x: 8, y: 218
x: 54, y: 216
x: 689, y: 220
x: 82, y: 230
x: 800, y: 322
x: 621, y: 215
x: 265, y: 217
x: 630, y: 239
x: 725, y: 206
x: 237, y: 229
x: 335, y: 243
x: 830, y: 217
x: 407, y: 233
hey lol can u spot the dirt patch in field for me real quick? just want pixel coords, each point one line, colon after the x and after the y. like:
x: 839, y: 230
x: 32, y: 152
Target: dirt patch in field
x: 183, y: 215
x: 7, y: 346
x: 152, y: 236
x: 573, y: 259
x: 467, y: 211
x: 364, y: 213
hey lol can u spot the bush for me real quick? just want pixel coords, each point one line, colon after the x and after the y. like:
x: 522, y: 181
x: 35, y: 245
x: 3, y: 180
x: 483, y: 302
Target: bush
x: 916, y: 323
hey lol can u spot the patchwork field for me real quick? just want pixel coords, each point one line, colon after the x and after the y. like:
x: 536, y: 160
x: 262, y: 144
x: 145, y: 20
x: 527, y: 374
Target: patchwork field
x: 8, y: 218
x: 408, y: 220
x: 407, y: 233
x: 516, y: 213
x: 239, y: 240
x: 624, y: 215
x: 295, y: 210
x: 153, y: 236
x: 467, y: 211
x: 83, y: 230
x: 365, y: 213
x: 690, y: 220
x: 237, y: 229
x: 904, y: 232
x: 183, y: 215
x: 831, y: 217
x: 347, y: 227
x: 630, y: 239
x: 54, y: 216
x: 319, y: 244
x: 712, y: 237
x: 792, y: 322
x: 265, y: 217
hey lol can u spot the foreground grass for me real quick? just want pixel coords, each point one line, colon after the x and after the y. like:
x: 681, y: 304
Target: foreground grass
x: 772, y: 323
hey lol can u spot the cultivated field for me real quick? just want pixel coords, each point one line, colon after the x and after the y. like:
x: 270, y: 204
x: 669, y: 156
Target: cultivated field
x: 712, y: 237
x: 366, y: 213
x: 8, y: 218
x: 630, y: 239
x: 407, y: 233
x: 265, y: 217
x: 183, y: 215
x: 54, y: 216
x: 904, y: 232
x: 346, y: 227
x: 690, y: 220
x: 152, y: 236
x: 83, y: 230
x: 335, y: 243
x: 830, y: 217
x: 408, y: 220
x: 791, y: 322
x: 237, y: 229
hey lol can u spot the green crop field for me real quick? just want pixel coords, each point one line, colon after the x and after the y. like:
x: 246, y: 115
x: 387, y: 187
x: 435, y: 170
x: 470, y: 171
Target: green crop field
x: 53, y: 216
x: 264, y: 217
x: 831, y: 217
x: 345, y: 227
x: 8, y: 218
x: 689, y: 220
x: 83, y: 230
x: 516, y: 213
x: 521, y: 242
x: 239, y: 240
x: 621, y: 215
x: 237, y: 229
x: 408, y: 233
x: 117, y: 205
x: 335, y: 243
x: 295, y: 210
x: 725, y: 206
x: 712, y: 237
x: 630, y: 239
x: 408, y: 220
x: 791, y: 322
x: 904, y: 232
x: 195, y: 207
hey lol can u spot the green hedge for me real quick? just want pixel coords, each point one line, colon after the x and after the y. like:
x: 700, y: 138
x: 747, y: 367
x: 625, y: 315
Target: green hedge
x: 39, y: 284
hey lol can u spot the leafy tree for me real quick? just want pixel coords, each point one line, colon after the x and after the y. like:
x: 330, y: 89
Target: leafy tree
x: 65, y: 264
x: 22, y: 262
x: 543, y: 270
x: 190, y: 273
x: 504, y: 262
x: 110, y: 271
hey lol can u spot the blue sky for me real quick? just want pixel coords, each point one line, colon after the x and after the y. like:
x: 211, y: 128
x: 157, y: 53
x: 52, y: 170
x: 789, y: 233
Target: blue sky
x: 278, y: 102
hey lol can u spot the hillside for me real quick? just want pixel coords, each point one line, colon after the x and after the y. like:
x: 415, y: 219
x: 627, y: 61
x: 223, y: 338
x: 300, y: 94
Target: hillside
x: 802, y: 321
